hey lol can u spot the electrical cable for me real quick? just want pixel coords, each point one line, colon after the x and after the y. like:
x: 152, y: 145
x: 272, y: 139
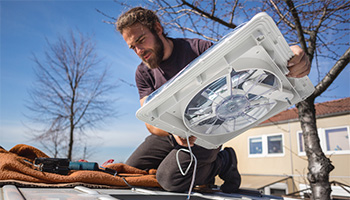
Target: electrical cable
x: 193, y: 157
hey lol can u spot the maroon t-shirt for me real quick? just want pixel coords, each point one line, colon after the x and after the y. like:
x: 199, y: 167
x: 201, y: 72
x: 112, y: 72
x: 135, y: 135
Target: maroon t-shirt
x: 184, y: 51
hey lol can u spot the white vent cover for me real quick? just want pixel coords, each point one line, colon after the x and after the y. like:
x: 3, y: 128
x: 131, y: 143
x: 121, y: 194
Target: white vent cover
x: 233, y: 86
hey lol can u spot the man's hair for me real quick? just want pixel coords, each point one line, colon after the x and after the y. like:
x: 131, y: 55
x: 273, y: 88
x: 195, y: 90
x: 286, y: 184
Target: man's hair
x: 146, y: 17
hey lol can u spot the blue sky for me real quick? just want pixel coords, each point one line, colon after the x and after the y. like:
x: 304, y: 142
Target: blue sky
x: 24, y: 27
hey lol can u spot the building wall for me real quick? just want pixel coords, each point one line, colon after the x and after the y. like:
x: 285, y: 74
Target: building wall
x: 290, y: 162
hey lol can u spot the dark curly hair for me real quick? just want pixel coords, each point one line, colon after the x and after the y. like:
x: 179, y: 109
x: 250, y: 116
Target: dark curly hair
x: 146, y: 17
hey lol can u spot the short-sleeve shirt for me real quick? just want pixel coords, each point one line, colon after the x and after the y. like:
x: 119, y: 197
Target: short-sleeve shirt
x: 184, y: 51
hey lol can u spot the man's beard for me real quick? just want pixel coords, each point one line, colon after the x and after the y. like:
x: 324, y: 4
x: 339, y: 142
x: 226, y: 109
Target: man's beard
x: 158, y: 51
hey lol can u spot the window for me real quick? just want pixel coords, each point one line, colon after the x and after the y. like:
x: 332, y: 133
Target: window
x: 277, y: 192
x: 337, y: 139
x: 255, y: 145
x: 301, y: 147
x: 266, y: 145
x: 274, y: 144
x: 277, y: 189
x: 332, y: 140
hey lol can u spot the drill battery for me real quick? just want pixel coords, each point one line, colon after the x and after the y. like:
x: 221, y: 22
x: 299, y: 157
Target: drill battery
x: 53, y: 165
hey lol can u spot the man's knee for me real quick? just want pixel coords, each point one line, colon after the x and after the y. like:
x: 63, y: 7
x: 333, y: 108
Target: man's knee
x: 172, y: 181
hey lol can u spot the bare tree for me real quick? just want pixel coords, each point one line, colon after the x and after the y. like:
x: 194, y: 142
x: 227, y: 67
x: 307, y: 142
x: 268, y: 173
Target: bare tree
x: 320, y: 27
x: 71, y: 93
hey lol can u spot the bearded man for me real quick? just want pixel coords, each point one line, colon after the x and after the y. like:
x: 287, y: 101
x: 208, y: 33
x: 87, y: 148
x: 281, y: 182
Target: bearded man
x: 162, y: 58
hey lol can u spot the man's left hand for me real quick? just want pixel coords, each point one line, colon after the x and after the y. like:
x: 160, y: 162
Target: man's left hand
x: 299, y: 65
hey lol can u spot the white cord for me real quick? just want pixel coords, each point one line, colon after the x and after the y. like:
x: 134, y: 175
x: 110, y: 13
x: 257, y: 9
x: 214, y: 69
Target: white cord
x: 193, y: 157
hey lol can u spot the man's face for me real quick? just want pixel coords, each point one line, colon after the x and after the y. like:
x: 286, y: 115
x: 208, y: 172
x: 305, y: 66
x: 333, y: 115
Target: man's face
x: 147, y: 45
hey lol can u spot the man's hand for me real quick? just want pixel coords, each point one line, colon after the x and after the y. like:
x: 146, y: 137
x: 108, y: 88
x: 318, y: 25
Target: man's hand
x: 183, y: 141
x: 299, y: 65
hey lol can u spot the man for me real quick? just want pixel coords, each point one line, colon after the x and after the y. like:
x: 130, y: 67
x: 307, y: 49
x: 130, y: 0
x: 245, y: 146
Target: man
x: 162, y: 58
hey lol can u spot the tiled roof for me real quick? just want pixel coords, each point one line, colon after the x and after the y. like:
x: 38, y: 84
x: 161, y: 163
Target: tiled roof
x: 335, y: 107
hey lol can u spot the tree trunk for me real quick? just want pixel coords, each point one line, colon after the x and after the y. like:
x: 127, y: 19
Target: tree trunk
x: 319, y: 165
x: 71, y: 140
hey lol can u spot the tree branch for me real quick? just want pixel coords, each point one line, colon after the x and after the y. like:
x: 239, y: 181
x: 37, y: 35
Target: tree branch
x: 195, y: 32
x: 207, y: 15
x: 333, y: 73
x: 233, y: 11
x: 298, y: 26
x: 283, y: 17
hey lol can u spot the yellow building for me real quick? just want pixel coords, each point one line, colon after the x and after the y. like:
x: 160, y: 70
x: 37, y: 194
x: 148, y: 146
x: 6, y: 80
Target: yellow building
x: 271, y: 156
